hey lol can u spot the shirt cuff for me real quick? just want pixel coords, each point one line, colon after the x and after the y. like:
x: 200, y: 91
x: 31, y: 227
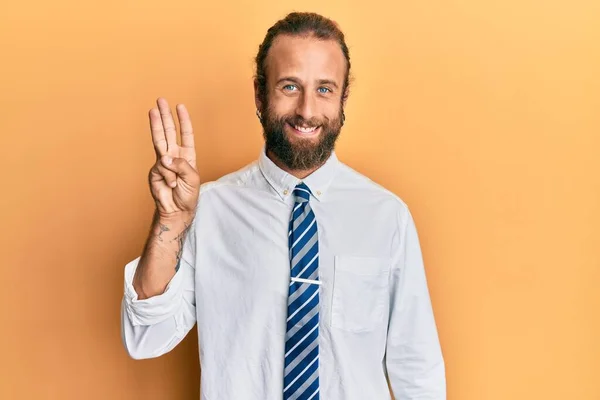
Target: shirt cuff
x: 155, y: 309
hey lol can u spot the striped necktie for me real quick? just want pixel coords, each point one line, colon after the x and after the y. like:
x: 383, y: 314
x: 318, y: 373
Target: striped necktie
x: 301, y: 375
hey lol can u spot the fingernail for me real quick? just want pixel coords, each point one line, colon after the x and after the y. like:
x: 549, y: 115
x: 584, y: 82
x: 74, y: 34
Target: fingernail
x: 167, y: 160
x: 173, y: 184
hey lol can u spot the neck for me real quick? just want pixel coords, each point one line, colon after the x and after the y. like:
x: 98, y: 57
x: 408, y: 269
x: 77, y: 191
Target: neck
x: 298, y: 173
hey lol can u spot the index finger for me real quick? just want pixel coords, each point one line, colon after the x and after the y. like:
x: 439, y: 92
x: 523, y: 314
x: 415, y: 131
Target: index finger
x: 185, y: 123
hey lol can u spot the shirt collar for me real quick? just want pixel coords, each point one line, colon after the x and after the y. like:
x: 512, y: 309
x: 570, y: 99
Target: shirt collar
x: 284, y: 183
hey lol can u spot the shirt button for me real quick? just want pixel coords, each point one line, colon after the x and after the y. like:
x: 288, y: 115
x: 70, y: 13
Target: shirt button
x: 285, y: 192
x: 318, y: 192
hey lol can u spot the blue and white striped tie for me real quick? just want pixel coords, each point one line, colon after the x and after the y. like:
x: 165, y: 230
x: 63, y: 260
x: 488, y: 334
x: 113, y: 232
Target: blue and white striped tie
x: 301, y: 375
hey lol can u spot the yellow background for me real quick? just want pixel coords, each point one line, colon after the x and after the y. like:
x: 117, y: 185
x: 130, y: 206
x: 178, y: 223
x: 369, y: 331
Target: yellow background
x: 482, y: 115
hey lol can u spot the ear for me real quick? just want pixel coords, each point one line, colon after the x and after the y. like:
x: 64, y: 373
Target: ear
x: 257, y: 101
x: 345, y: 97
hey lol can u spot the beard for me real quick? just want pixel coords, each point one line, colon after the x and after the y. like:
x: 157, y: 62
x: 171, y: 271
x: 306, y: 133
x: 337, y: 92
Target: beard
x: 298, y: 153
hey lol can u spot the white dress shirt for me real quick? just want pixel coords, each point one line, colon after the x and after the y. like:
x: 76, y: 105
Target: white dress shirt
x: 375, y: 314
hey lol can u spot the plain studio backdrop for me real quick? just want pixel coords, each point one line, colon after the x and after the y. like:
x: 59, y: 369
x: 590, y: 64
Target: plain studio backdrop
x: 482, y: 115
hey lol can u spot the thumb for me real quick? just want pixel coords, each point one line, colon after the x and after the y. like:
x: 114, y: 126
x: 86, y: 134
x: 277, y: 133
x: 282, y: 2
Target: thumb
x: 180, y: 166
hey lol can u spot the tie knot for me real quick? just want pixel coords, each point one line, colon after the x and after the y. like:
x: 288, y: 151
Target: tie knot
x: 302, y: 193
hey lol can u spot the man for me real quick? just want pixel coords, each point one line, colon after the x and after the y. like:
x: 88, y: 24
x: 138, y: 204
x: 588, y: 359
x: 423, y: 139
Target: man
x: 305, y: 278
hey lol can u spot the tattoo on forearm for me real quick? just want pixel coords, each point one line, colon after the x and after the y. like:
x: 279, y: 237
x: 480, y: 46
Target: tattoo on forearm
x: 180, y: 240
x: 163, y: 228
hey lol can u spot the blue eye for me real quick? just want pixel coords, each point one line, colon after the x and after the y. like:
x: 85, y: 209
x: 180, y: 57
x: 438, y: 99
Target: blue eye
x: 288, y: 86
x: 326, y: 90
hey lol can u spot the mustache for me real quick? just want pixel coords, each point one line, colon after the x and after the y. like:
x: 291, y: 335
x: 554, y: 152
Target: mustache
x: 298, y: 120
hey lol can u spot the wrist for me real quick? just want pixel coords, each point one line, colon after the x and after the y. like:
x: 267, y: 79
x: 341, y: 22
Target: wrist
x: 174, y: 218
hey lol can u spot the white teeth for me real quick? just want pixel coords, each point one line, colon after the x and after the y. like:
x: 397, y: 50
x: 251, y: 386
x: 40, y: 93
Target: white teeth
x: 305, y: 130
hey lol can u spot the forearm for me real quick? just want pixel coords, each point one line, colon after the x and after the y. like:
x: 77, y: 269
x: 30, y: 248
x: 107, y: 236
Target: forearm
x: 160, y: 259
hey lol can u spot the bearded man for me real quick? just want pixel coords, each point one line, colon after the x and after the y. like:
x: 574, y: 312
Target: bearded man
x: 304, y: 277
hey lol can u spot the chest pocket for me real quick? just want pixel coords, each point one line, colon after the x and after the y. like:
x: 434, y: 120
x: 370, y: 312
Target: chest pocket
x: 360, y: 292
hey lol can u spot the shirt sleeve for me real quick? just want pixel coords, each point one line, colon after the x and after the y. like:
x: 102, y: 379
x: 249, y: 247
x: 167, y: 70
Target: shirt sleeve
x: 154, y: 309
x: 414, y: 360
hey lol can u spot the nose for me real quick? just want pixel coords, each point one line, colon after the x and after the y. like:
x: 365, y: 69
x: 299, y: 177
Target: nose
x: 306, y: 107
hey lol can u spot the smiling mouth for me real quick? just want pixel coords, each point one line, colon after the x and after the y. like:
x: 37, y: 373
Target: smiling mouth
x: 305, y: 130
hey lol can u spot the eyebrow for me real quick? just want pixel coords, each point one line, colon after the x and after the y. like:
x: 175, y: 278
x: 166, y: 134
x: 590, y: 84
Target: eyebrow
x: 320, y: 81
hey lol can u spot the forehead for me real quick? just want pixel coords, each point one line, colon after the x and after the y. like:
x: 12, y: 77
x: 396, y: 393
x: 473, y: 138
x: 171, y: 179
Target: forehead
x: 307, y: 58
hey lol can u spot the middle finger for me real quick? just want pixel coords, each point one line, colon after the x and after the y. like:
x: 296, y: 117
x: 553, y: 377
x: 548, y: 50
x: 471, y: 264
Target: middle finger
x: 168, y: 123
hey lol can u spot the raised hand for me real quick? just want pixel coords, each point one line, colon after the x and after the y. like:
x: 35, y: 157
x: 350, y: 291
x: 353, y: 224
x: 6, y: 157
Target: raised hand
x: 174, y: 180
